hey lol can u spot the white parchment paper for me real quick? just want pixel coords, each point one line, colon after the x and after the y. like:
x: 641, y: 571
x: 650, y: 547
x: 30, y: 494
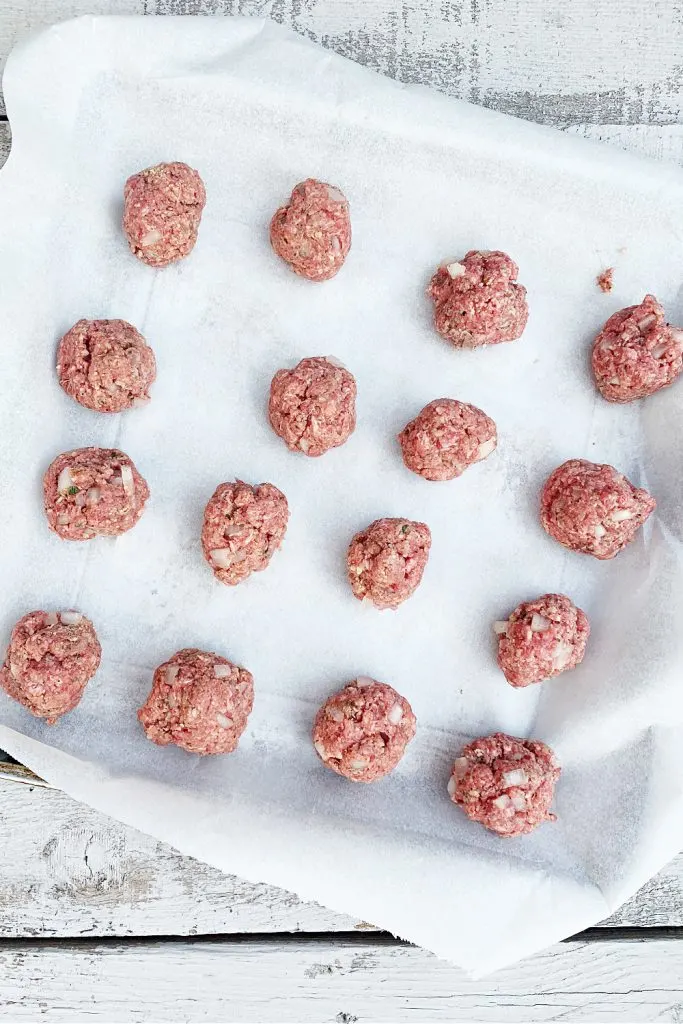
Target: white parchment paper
x: 256, y: 109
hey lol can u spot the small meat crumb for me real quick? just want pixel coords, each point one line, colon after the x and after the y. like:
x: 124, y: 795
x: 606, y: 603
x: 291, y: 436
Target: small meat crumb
x: 604, y: 280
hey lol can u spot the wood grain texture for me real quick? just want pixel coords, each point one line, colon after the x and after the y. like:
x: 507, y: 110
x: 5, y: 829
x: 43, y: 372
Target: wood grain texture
x: 618, y: 61
x: 75, y: 872
x: 304, y: 981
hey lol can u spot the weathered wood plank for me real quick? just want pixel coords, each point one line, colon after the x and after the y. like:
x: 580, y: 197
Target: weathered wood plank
x: 344, y: 981
x: 66, y: 870
x: 556, y: 63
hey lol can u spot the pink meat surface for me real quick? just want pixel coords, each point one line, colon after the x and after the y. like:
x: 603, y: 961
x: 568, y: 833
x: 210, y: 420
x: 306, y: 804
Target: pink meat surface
x: 504, y: 783
x: 593, y: 508
x: 106, y: 365
x: 386, y: 561
x: 313, y: 407
x: 362, y: 731
x: 477, y: 300
x: 199, y: 701
x: 161, y: 213
x: 93, y: 492
x: 312, y: 233
x: 445, y: 438
x: 50, y: 659
x: 541, y: 639
x: 243, y: 527
x: 637, y: 353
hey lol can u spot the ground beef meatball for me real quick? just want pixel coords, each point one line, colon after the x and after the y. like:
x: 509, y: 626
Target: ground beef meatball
x: 161, y: 212
x: 243, y: 527
x: 313, y: 407
x: 93, y: 492
x: 593, y: 508
x: 50, y: 659
x: 637, y: 353
x: 540, y: 639
x: 313, y: 231
x: 477, y: 300
x: 362, y: 731
x: 445, y: 438
x: 106, y: 365
x: 386, y: 561
x: 505, y: 783
x: 199, y: 701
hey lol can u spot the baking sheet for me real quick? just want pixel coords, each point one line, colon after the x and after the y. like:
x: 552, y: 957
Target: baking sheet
x: 256, y: 109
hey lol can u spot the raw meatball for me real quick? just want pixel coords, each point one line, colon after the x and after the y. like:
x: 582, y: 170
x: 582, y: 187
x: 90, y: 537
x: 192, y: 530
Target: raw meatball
x: 505, y: 783
x: 386, y: 561
x: 362, y: 731
x: 50, y: 659
x: 106, y: 365
x: 313, y: 407
x: 540, y: 639
x: 637, y: 353
x: 313, y: 231
x: 243, y: 527
x: 93, y: 492
x: 445, y: 438
x: 161, y: 212
x: 477, y: 301
x: 593, y: 508
x: 199, y: 701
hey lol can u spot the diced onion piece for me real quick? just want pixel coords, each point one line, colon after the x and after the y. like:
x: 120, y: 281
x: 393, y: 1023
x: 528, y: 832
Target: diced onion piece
x: 335, y: 713
x: 460, y: 766
x: 62, y: 519
x: 539, y: 623
x: 599, y: 531
x: 658, y: 351
x: 65, y: 480
x: 452, y: 785
x: 517, y: 777
x: 677, y: 334
x: 456, y: 269
x: 519, y: 801
x: 335, y: 362
x: 232, y: 530
x: 140, y: 403
x: 501, y: 627
x: 396, y: 714
x: 304, y: 444
x: 128, y: 481
x: 51, y: 619
x: 222, y: 557
x: 358, y: 765
x: 71, y: 618
x: 171, y: 674
x: 364, y: 681
x: 222, y: 671
x: 81, y: 499
x: 151, y: 237
x: 562, y: 656
x: 621, y: 515
x: 335, y: 195
x: 14, y: 670
x: 224, y: 721
x: 485, y: 449
x: 646, y: 322
x: 502, y: 802
x: 93, y: 496
x: 322, y: 751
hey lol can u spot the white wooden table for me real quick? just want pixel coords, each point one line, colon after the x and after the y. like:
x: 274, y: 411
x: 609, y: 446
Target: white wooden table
x: 100, y: 923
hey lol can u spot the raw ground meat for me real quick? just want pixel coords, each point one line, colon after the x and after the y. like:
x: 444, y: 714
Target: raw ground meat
x: 477, y: 300
x: 199, y: 701
x: 505, y: 783
x: 593, y: 508
x: 313, y: 407
x: 50, y: 659
x: 386, y: 561
x: 243, y: 527
x: 540, y: 639
x: 312, y: 233
x: 445, y: 438
x: 93, y: 492
x: 161, y: 212
x: 362, y: 731
x: 106, y: 365
x: 605, y: 280
x: 637, y: 353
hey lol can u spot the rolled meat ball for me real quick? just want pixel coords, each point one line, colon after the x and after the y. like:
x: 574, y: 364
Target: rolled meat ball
x: 312, y: 232
x: 593, y: 508
x: 477, y: 300
x: 540, y: 639
x: 93, y: 492
x: 162, y: 208
x: 504, y: 783
x: 199, y: 701
x: 445, y: 438
x: 50, y: 660
x: 313, y: 407
x: 362, y: 731
x: 637, y: 353
x: 243, y: 527
x: 385, y: 562
x: 106, y: 365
